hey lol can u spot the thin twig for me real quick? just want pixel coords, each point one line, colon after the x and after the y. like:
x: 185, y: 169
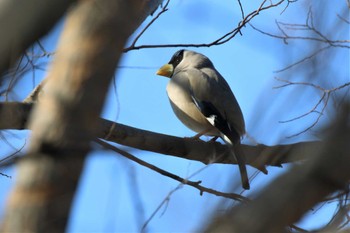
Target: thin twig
x: 288, y: 2
x: 195, y: 184
x: 11, y: 156
x: 309, y: 26
x: 313, y: 110
x: 288, y: 83
x: 241, y: 8
x: 343, y: 19
x: 303, y: 59
x: 317, y: 119
x: 221, y: 40
x: 326, y: 93
x: 164, y: 9
x: 166, y: 200
x: 285, y: 37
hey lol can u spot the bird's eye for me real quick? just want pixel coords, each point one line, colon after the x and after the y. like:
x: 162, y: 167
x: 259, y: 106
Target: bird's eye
x: 177, y: 58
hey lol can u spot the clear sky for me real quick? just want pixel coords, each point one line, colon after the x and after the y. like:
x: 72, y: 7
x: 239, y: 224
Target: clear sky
x: 117, y: 195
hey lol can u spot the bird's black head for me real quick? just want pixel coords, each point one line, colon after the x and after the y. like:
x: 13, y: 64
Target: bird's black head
x: 177, y: 58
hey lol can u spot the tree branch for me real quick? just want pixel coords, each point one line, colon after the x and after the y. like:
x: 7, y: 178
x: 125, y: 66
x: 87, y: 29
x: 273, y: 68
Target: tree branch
x: 221, y: 40
x: 14, y: 116
x: 24, y: 29
x: 195, y: 184
x: 326, y: 93
x: 316, y: 35
x: 288, y: 197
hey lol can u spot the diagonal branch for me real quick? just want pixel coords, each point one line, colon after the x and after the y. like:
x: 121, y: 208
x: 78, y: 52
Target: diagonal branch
x: 163, y: 10
x: 195, y: 184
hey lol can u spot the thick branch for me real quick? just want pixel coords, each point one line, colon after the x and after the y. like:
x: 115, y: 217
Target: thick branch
x: 14, y: 116
x: 202, y: 151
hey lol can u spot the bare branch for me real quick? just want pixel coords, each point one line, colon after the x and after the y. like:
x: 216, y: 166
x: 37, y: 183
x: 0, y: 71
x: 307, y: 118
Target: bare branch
x: 164, y: 202
x: 20, y: 35
x: 343, y: 19
x: 241, y: 8
x: 325, y: 97
x: 163, y: 10
x: 326, y: 93
x: 313, y: 110
x: 288, y: 2
x: 195, y: 184
x: 221, y: 40
x: 308, y: 26
x: 12, y: 156
x: 288, y: 83
x: 257, y: 155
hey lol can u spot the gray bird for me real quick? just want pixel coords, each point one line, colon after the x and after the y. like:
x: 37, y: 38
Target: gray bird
x: 204, y: 102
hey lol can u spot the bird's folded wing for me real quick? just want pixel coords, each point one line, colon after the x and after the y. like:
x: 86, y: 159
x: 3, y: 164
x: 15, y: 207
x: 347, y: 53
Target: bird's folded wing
x: 213, y: 97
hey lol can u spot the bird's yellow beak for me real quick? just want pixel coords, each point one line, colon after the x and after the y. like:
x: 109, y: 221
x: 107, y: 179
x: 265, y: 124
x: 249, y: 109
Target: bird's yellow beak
x: 166, y: 70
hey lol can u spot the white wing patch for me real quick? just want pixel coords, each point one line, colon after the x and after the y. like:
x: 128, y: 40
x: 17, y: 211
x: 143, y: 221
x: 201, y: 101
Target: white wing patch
x: 211, y: 119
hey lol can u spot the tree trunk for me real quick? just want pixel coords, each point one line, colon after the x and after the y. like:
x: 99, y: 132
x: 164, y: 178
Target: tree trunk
x: 66, y: 117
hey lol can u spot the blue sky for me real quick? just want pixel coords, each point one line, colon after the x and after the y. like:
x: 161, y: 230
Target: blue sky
x: 116, y: 195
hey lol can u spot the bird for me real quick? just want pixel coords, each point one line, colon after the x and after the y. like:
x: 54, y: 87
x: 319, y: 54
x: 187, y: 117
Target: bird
x: 204, y: 102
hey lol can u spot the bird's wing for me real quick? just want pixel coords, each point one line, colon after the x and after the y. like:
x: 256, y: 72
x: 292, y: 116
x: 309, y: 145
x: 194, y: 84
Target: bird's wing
x: 217, y: 103
x: 214, y: 98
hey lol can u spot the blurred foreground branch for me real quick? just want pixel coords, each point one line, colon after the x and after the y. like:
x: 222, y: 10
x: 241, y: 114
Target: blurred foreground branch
x: 25, y: 28
x: 64, y: 121
x: 288, y: 197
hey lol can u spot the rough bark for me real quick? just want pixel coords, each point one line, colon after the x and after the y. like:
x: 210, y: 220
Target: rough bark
x: 14, y: 116
x: 65, y: 120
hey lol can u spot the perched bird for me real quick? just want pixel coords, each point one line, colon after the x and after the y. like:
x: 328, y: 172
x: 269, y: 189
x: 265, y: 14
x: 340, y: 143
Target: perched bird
x: 203, y: 101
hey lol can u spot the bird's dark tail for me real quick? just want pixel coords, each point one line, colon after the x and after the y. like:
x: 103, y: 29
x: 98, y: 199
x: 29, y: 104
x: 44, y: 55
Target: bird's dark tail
x: 238, y: 154
x: 232, y: 138
x: 229, y: 135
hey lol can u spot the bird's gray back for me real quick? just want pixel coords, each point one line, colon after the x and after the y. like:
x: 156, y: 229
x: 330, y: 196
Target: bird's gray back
x: 215, y: 89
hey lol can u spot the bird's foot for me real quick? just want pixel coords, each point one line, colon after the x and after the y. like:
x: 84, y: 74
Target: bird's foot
x: 196, y: 137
